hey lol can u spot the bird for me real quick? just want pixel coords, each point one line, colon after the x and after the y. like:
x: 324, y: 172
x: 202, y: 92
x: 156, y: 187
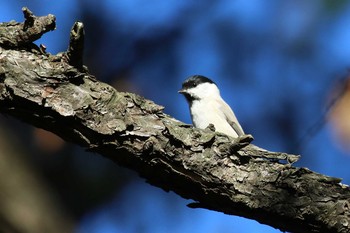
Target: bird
x: 207, y: 106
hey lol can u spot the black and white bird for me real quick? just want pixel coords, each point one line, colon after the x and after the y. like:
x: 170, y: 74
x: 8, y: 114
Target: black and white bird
x: 208, y: 107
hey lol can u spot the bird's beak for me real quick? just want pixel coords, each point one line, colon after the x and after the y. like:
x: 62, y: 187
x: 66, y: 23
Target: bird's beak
x: 182, y: 91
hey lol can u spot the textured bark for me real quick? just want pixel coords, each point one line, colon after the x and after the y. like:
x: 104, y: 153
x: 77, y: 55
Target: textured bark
x: 58, y: 94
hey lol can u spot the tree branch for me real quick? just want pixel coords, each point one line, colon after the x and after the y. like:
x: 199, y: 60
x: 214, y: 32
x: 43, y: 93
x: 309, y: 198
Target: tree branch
x: 15, y: 35
x: 217, y: 172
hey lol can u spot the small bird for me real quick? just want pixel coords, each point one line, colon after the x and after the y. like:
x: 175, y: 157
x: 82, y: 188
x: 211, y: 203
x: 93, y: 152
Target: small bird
x: 207, y: 106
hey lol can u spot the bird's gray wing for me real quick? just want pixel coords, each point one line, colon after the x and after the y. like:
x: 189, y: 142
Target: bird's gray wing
x: 231, y: 118
x: 236, y: 127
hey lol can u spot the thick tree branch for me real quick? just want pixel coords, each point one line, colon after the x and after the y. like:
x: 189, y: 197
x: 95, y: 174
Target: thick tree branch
x: 217, y: 172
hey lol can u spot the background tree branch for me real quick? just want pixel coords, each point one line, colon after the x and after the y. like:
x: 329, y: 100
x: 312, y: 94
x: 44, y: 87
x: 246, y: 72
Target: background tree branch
x: 58, y: 94
x: 25, y: 196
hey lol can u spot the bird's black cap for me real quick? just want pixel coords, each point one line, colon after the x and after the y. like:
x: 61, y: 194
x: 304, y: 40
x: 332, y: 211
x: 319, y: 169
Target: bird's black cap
x: 194, y: 81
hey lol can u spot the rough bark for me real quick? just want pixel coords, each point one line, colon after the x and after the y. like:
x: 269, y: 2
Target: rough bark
x: 58, y: 94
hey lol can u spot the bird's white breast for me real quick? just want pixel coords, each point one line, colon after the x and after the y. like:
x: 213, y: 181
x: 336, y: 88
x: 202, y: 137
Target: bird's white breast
x: 205, y: 112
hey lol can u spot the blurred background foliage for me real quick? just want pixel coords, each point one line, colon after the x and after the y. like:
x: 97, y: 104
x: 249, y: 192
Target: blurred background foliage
x: 281, y: 65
